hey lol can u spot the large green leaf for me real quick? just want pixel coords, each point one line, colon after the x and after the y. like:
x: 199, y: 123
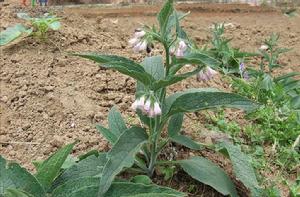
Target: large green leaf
x: 91, y: 166
x: 154, y: 66
x: 174, y: 128
x: 12, y: 33
x: 200, y: 99
x: 164, y: 16
x: 115, y: 121
x: 122, y: 155
x: 210, y: 174
x: 242, y: 168
x: 121, y: 64
x: 16, y: 193
x: 12, y: 177
x: 50, y: 168
x: 88, y: 186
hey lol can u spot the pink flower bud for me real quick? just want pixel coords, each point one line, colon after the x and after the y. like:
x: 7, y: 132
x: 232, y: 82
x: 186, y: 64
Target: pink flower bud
x: 138, y: 103
x: 133, y: 41
x: 141, y: 46
x: 179, y: 51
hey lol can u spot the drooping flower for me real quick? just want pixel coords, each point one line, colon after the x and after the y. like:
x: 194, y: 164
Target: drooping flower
x: 138, y: 103
x: 179, y: 50
x: 264, y: 47
x: 151, y: 109
x: 139, y: 43
x: 206, y: 74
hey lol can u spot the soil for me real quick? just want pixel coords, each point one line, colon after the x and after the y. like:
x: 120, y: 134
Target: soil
x: 49, y: 98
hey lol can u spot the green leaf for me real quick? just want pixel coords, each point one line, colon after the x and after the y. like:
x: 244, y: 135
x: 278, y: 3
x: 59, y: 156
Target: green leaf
x: 88, y: 186
x: 70, y: 161
x: 112, y: 138
x: 16, y: 193
x: 154, y: 66
x: 12, y: 176
x: 141, y: 179
x: 115, y: 121
x: 164, y: 16
x: 198, y: 58
x: 173, y: 79
x: 55, y: 25
x: 130, y: 189
x: 174, y: 128
x: 154, y: 195
x: 199, y: 99
x: 50, y: 168
x: 295, y: 102
x: 210, y: 174
x: 121, y: 64
x: 91, y: 166
x: 12, y: 33
x: 267, y: 82
x: 122, y: 155
x: 24, y: 16
x: 242, y: 168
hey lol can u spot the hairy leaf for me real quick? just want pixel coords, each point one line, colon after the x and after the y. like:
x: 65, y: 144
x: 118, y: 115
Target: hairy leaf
x: 174, y: 128
x: 12, y: 177
x: 242, y: 168
x: 91, y: 166
x: 50, y: 168
x: 16, y: 193
x: 88, y: 186
x: 200, y: 99
x: 164, y: 16
x: 122, y: 155
x: 121, y: 64
x: 210, y: 174
x: 154, y: 66
x: 12, y: 33
x: 110, y: 136
x: 115, y: 121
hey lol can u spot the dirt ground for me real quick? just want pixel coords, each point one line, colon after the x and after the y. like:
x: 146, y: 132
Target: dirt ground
x: 49, y: 98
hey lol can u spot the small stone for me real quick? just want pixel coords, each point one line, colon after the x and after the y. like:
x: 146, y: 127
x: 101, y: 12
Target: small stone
x: 57, y: 141
x: 4, y: 99
x: 49, y: 88
x: 72, y: 125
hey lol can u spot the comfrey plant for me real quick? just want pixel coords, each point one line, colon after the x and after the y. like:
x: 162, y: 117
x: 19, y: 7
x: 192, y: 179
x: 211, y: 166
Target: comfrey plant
x: 38, y: 28
x: 230, y: 58
x: 136, y: 149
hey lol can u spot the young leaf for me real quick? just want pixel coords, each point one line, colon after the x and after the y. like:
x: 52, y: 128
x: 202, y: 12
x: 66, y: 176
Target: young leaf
x: 164, y: 15
x: 121, y: 64
x: 210, y: 174
x: 50, y: 168
x: 242, y: 168
x: 12, y: 176
x: 12, y: 33
x: 174, y: 127
x: 110, y: 136
x: 199, y: 100
x: 55, y: 25
x: 89, y: 167
x: 121, y: 155
x: 143, y: 179
x: 115, y: 121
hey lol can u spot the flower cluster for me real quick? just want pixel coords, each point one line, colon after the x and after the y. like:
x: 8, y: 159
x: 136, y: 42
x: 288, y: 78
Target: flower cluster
x: 179, y: 50
x: 139, y: 43
x: 148, y: 107
x: 206, y: 74
x: 243, y: 72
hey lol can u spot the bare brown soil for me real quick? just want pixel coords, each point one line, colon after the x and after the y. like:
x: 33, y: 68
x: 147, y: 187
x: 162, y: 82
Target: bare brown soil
x: 49, y: 98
